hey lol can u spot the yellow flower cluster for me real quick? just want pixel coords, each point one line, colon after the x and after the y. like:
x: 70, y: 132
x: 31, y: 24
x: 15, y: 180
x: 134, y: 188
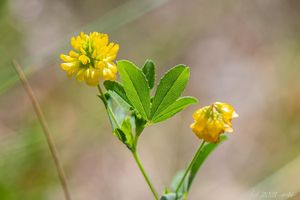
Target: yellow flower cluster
x: 92, y: 58
x: 211, y: 121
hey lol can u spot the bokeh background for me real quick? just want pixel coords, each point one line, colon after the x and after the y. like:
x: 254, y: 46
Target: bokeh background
x: 242, y: 52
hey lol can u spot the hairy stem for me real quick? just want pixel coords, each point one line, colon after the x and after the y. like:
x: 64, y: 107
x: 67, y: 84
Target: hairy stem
x: 44, y: 124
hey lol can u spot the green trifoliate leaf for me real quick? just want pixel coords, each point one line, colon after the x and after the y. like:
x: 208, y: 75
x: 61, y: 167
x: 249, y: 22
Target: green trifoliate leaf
x: 149, y: 71
x: 174, y: 108
x: 169, y: 89
x: 136, y: 87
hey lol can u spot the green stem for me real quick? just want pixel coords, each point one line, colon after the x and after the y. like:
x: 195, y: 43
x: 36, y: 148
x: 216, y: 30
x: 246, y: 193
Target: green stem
x: 102, y: 95
x: 137, y: 160
x: 190, y: 166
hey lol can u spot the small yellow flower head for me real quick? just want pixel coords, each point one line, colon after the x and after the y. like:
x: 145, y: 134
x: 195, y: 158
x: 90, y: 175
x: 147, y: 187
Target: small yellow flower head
x: 211, y: 121
x: 92, y: 58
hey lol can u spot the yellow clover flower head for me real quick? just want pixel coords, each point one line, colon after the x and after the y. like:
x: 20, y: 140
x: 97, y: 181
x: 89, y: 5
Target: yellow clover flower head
x: 211, y: 121
x: 92, y: 58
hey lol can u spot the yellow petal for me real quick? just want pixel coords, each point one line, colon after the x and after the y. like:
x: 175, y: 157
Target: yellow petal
x: 100, y: 65
x: 226, y: 110
x: 80, y: 75
x: 66, y: 58
x: 105, y: 72
x: 68, y: 66
x: 94, y: 54
x: 112, y: 67
x: 228, y: 129
x: 114, y: 49
x: 84, y: 59
x: 73, y: 54
x: 82, y: 51
x: 76, y: 43
x: 83, y: 36
x: 215, y: 127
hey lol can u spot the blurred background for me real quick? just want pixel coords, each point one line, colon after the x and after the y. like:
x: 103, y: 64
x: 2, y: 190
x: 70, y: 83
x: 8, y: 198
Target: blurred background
x: 244, y: 52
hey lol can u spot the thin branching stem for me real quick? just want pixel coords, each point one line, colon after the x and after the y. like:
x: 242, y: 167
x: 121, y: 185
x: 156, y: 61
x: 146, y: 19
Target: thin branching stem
x: 44, y: 124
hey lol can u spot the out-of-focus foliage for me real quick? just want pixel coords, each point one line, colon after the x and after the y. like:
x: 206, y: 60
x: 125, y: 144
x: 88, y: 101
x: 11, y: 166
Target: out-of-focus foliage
x: 10, y: 42
x: 25, y: 166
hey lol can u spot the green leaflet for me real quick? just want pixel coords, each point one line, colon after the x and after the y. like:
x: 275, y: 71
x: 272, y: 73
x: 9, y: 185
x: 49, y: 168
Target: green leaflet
x: 117, y: 88
x: 125, y: 133
x: 136, y: 87
x: 114, y: 124
x: 119, y: 100
x: 174, y: 108
x: 149, y: 71
x: 120, y: 114
x: 169, y: 89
